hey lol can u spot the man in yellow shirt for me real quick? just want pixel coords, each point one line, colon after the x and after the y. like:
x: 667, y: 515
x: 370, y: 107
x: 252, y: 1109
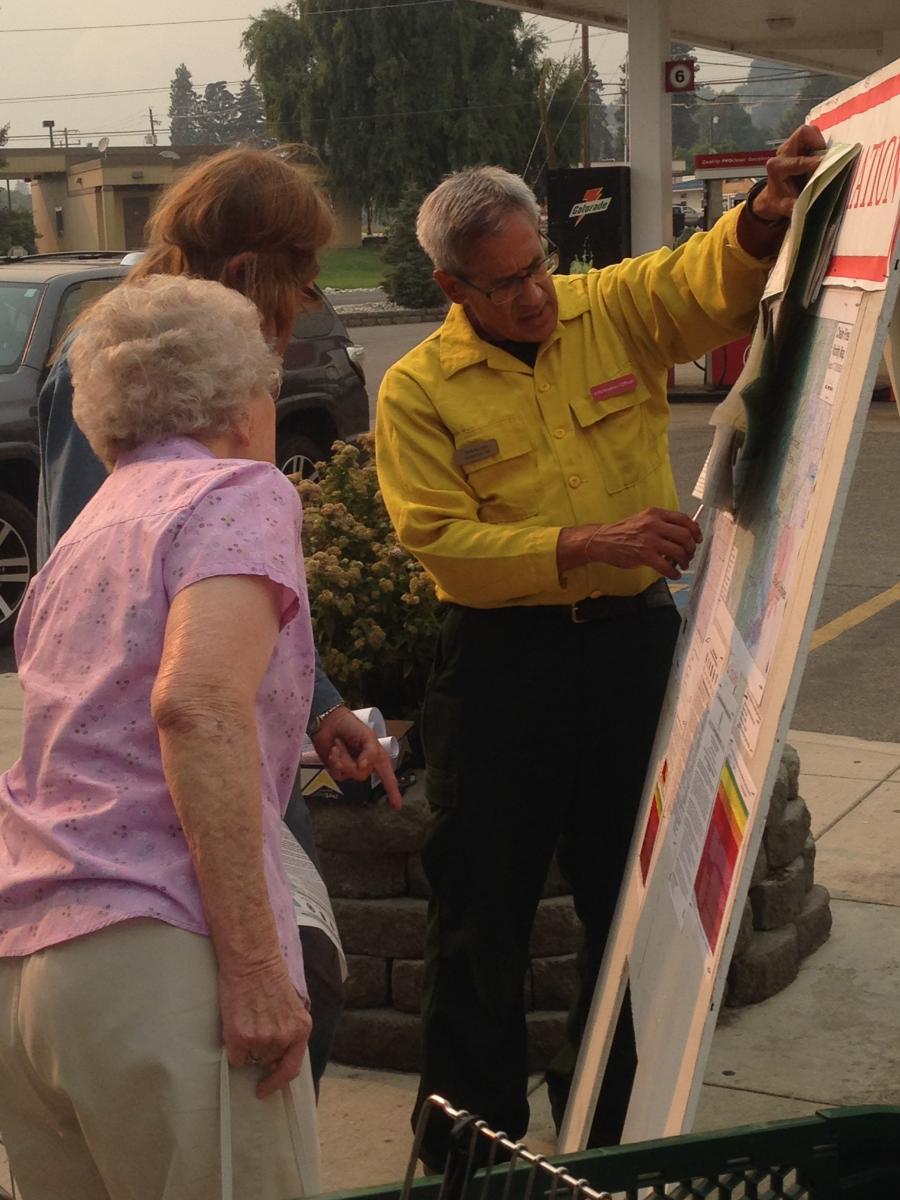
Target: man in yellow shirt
x: 523, y: 456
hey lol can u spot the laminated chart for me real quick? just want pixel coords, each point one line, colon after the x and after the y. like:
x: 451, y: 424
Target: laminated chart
x: 784, y: 445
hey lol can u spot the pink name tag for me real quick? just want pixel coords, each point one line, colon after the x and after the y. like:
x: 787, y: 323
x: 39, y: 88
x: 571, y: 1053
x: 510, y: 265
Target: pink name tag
x: 614, y: 387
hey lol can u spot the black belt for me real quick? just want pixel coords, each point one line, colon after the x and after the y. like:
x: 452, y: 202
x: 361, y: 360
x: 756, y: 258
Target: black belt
x: 608, y: 608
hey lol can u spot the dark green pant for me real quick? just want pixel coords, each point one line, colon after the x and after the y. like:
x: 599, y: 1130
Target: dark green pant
x: 537, y: 733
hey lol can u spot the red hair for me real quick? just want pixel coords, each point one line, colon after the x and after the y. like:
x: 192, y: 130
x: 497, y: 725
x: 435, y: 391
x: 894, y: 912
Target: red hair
x: 248, y: 219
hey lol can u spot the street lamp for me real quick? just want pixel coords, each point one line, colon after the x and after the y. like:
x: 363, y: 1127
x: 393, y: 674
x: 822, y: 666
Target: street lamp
x: 48, y: 125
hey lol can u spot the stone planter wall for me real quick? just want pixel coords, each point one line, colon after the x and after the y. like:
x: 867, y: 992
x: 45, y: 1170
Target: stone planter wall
x: 370, y: 862
x: 787, y: 915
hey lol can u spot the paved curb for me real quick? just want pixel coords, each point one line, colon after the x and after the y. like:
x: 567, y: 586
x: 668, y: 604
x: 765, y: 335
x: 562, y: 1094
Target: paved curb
x: 394, y: 316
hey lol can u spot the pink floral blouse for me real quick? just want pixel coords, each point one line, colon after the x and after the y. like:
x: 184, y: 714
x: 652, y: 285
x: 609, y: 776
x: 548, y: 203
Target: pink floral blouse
x: 88, y: 832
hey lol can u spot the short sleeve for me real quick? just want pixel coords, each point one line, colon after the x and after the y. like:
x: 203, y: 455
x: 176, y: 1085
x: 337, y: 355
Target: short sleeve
x: 247, y: 522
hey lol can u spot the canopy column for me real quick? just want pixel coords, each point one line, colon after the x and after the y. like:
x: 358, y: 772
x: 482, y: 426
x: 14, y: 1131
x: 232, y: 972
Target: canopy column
x: 649, y: 125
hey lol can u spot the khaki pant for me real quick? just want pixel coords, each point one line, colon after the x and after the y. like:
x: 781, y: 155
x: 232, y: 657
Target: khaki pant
x: 111, y: 1079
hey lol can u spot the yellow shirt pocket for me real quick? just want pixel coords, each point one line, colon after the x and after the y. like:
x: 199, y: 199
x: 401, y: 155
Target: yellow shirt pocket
x: 623, y: 436
x: 500, y: 465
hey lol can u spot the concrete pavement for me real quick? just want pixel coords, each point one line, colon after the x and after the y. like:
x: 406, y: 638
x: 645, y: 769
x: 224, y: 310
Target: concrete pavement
x: 831, y: 1038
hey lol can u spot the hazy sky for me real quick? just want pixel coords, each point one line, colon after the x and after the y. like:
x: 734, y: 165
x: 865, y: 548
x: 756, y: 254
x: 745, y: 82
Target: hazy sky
x: 37, y: 67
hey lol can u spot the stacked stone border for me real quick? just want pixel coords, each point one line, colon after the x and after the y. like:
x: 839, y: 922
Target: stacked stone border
x: 371, y: 863
x: 390, y: 316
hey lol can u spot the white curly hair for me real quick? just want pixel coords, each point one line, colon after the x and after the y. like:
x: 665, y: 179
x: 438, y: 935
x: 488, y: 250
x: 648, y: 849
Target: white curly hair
x: 167, y: 356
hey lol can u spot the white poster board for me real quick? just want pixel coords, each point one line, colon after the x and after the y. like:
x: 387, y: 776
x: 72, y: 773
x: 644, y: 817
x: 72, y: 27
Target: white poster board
x: 741, y: 655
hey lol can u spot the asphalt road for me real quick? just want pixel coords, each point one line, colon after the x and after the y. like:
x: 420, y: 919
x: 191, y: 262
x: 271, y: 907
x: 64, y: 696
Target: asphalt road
x: 850, y: 685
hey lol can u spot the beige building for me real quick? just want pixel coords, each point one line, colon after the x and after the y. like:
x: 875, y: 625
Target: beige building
x: 85, y: 199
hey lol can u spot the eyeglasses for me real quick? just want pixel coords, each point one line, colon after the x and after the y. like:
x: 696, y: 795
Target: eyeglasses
x: 510, y: 289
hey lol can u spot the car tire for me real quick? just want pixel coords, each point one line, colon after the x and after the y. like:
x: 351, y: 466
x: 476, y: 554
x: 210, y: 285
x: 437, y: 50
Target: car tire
x: 18, y: 536
x: 297, y: 454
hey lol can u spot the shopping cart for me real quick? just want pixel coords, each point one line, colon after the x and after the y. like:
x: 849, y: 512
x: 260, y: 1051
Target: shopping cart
x: 838, y: 1154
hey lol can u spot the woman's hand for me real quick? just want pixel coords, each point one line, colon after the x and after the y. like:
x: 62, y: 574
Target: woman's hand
x: 350, y: 750
x: 265, y: 1023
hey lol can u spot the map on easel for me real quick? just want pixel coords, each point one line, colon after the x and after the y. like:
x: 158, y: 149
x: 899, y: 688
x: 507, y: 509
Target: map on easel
x: 785, y: 443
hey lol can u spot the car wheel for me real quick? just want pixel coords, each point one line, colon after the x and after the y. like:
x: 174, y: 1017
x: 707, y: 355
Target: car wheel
x: 296, y: 454
x: 17, y: 557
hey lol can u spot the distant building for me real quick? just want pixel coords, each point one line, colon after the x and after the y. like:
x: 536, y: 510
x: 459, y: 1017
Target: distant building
x: 85, y: 199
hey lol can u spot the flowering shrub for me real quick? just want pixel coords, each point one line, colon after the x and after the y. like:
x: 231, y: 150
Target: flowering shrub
x: 373, y: 607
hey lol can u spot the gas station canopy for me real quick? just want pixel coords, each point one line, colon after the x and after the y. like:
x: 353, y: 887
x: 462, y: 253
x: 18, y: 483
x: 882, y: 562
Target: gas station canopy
x: 826, y: 35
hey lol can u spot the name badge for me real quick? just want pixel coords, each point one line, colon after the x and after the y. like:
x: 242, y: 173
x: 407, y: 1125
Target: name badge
x: 614, y: 387
x: 473, y: 452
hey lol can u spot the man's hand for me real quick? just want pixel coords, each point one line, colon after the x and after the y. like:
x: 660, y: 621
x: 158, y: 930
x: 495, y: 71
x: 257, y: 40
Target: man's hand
x: 350, y: 750
x: 656, y: 537
x: 264, y: 1023
x: 788, y: 171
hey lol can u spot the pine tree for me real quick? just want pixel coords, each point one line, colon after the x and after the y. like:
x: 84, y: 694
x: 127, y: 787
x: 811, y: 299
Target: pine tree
x: 602, y: 142
x: 250, y: 119
x: 218, y: 114
x: 408, y: 279
x: 184, y: 104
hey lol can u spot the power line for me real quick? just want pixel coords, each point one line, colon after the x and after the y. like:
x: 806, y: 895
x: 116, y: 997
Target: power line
x: 378, y: 116
x: 537, y: 136
x: 323, y: 12
x: 104, y: 95
x: 26, y: 137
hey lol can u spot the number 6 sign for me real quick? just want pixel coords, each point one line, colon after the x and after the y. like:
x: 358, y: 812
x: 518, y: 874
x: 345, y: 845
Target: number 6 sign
x: 679, y: 75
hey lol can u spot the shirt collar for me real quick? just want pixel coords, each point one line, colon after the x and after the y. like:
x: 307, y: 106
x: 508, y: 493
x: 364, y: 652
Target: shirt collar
x: 462, y: 347
x: 165, y: 450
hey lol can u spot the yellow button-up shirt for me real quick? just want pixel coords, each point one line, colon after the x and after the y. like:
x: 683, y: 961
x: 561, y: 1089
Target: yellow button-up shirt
x: 482, y: 459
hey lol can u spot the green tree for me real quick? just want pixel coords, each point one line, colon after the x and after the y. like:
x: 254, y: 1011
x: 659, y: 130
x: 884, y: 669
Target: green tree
x: 684, y: 107
x: 561, y: 107
x: 16, y: 229
x: 769, y: 91
x: 724, y: 124
x: 250, y: 119
x: 618, y: 114
x: 408, y: 280
x: 218, y: 114
x: 387, y: 95
x: 16, y: 226
x: 815, y: 89
x: 599, y: 116
x: 184, y: 110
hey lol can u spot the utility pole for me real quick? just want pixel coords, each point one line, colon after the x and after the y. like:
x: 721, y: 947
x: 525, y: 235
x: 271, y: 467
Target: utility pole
x: 66, y: 137
x: 544, y: 111
x: 152, y: 128
x: 586, y: 97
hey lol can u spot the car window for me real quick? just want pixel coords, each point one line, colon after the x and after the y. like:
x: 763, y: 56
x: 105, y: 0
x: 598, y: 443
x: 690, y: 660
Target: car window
x: 18, y: 303
x: 313, y: 324
x: 75, y: 300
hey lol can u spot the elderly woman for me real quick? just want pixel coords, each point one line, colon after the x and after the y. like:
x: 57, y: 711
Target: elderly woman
x: 147, y: 934
x: 254, y: 221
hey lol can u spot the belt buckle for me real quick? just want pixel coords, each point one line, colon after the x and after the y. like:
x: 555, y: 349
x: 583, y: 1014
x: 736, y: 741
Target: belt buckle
x: 576, y: 619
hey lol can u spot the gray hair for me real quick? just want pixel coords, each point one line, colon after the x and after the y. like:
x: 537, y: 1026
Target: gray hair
x: 166, y: 356
x: 469, y: 205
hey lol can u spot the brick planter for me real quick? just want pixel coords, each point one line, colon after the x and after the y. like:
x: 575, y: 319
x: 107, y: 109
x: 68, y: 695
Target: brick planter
x: 371, y: 865
x: 787, y: 914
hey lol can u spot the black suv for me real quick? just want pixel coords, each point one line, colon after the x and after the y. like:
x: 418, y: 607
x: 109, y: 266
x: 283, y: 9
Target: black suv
x: 323, y: 396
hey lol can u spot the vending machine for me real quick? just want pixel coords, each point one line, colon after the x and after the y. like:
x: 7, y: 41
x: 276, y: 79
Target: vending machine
x: 589, y: 215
